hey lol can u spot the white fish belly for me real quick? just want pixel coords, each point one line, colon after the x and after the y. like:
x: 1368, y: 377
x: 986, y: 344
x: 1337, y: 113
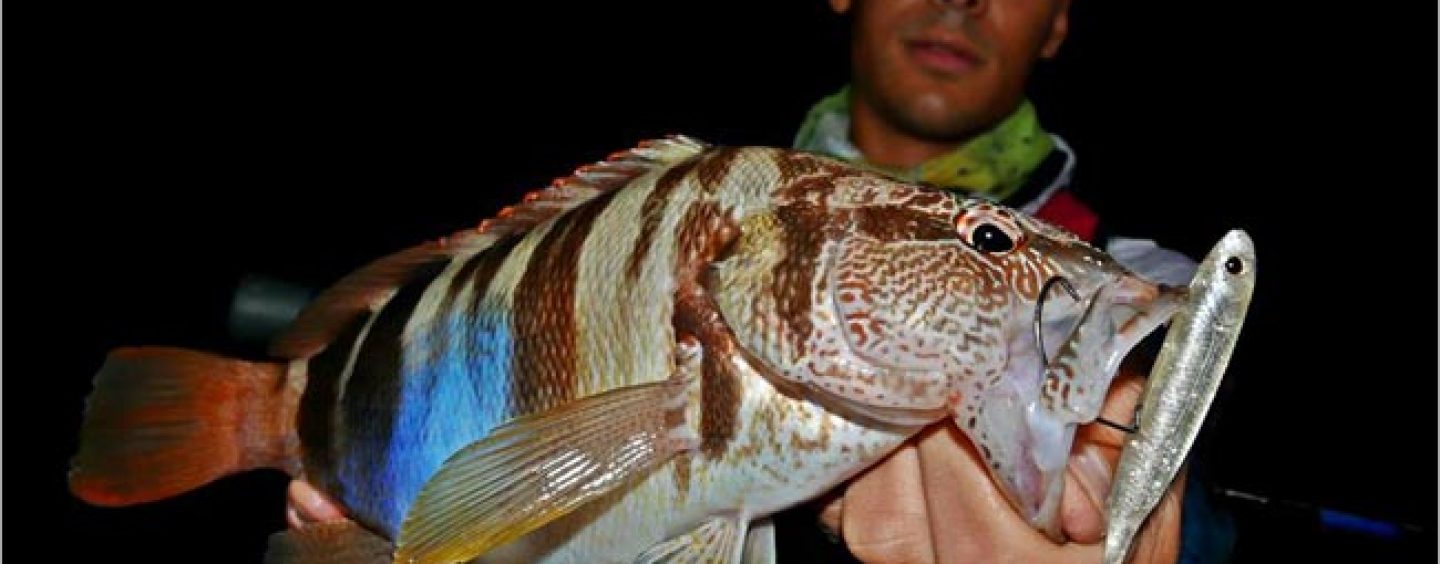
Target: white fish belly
x: 786, y: 450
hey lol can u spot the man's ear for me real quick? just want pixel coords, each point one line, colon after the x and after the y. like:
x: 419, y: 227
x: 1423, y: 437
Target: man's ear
x: 842, y: 6
x: 1059, y: 28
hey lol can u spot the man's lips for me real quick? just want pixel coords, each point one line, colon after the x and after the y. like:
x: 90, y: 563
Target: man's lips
x: 942, y: 56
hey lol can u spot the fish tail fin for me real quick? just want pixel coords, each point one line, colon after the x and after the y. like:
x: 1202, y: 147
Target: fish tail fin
x: 163, y: 421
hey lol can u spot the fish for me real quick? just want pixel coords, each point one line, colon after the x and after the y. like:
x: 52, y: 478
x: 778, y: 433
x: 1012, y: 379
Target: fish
x: 1181, y: 387
x: 642, y: 362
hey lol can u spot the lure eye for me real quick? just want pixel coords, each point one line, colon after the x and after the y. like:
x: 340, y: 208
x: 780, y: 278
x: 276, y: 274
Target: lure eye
x: 987, y: 238
x: 1234, y: 265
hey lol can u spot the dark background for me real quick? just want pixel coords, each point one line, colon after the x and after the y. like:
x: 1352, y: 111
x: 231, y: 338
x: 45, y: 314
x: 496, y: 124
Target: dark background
x: 158, y: 154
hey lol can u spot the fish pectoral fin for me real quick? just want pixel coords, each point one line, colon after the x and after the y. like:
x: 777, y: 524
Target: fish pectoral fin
x: 333, y: 542
x: 719, y: 539
x: 541, y: 467
x: 760, y: 543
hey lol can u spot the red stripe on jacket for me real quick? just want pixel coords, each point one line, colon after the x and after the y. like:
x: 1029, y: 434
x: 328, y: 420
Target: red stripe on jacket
x: 1067, y: 211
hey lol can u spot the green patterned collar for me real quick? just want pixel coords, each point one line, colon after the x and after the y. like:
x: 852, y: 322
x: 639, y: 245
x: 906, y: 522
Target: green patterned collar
x: 993, y: 165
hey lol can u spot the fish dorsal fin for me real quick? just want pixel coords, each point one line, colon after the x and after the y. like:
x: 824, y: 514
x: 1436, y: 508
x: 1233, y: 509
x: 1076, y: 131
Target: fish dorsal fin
x: 587, y: 182
x: 368, y: 288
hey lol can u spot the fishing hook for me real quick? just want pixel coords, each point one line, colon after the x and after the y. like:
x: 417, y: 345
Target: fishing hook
x: 1040, y: 337
x: 1040, y: 315
x: 1116, y: 426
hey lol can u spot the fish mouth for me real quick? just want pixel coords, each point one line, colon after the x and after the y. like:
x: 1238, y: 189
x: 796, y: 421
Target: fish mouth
x: 1027, y: 423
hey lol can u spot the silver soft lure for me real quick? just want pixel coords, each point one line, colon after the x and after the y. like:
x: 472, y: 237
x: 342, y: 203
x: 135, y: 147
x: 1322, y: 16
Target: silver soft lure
x: 1181, y: 387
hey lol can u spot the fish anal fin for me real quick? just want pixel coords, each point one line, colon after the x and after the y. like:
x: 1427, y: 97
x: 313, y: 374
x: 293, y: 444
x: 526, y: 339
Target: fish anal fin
x: 335, y: 542
x: 760, y: 543
x: 719, y: 539
x: 541, y: 467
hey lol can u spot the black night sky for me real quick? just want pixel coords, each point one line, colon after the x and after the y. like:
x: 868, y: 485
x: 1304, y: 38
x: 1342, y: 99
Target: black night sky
x: 157, y: 155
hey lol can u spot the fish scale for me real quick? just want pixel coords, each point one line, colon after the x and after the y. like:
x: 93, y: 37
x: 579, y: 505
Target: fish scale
x: 643, y: 360
x: 758, y: 474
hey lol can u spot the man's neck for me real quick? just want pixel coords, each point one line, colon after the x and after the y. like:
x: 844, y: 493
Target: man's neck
x: 883, y: 144
x: 995, y: 162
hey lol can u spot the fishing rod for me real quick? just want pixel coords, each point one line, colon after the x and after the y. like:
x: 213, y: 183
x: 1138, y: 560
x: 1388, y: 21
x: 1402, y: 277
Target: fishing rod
x: 1329, y: 519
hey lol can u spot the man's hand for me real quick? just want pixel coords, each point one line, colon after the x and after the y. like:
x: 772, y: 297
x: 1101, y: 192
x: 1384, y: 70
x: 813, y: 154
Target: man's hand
x: 304, y: 505
x: 933, y: 501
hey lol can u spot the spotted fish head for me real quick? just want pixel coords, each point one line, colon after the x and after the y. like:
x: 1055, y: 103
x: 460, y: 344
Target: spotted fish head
x: 1069, y: 315
x: 905, y: 305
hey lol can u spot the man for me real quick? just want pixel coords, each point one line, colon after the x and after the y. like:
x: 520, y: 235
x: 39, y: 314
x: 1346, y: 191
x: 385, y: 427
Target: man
x: 937, y: 96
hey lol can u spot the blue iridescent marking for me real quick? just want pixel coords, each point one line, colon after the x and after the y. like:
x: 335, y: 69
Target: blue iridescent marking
x: 447, y: 401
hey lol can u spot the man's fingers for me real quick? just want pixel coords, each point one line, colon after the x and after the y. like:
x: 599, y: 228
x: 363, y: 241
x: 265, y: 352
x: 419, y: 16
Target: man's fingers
x: 305, y: 504
x: 1092, y: 463
x: 1159, y: 539
x: 832, y: 511
x: 884, y: 518
x: 1087, y: 484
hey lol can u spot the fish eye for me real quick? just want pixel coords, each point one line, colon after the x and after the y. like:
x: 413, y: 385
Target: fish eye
x: 1234, y: 265
x: 989, y: 230
x: 987, y: 238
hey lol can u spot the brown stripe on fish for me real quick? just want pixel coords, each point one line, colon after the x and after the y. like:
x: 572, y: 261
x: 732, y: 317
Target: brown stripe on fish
x: 461, y: 280
x: 544, y: 370
x: 705, y: 233
x: 900, y: 223
x: 714, y: 166
x: 459, y: 287
x: 720, y: 396
x: 804, y: 231
x: 652, y: 213
x: 681, y: 466
x: 433, y: 314
x: 798, y: 180
x: 315, y: 422
x: 793, y: 166
x: 369, y: 393
x: 487, y: 264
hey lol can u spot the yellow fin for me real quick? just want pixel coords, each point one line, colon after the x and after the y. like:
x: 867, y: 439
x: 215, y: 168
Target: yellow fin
x: 541, y: 467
